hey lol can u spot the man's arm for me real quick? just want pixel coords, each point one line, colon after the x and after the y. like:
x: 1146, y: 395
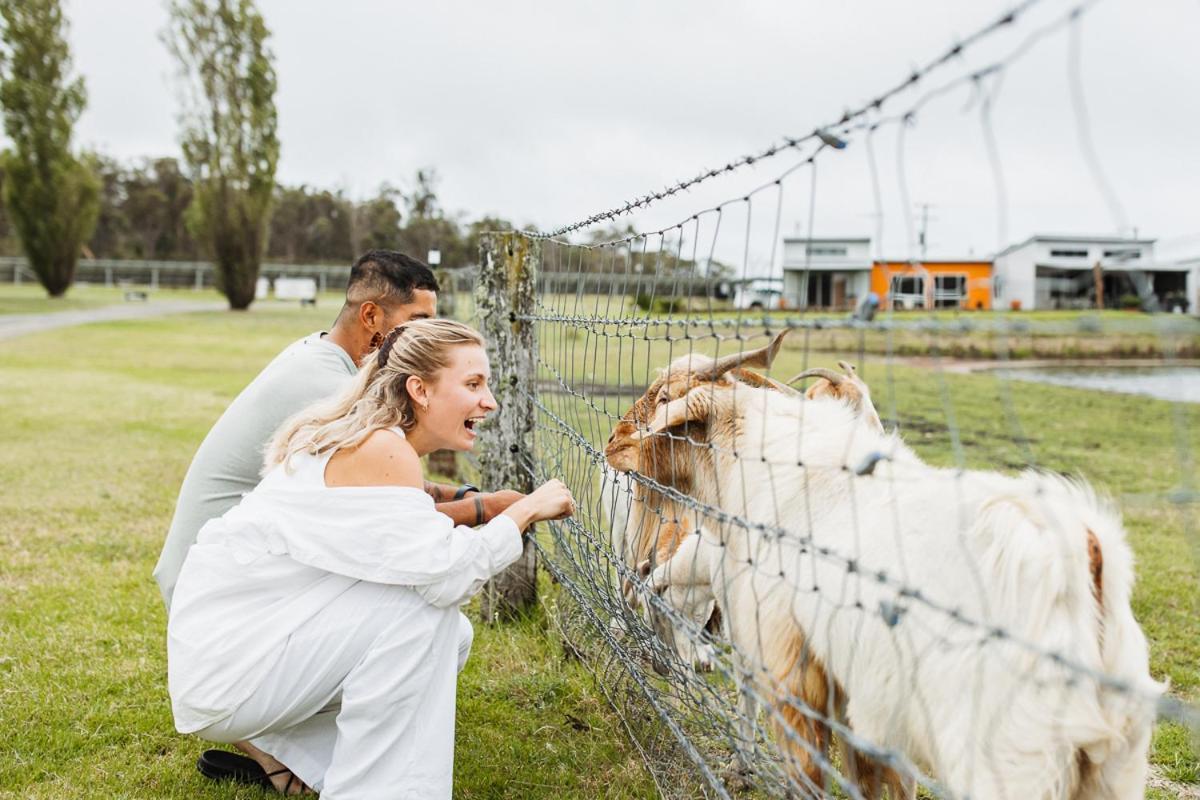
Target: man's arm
x: 444, y: 492
x: 475, y: 509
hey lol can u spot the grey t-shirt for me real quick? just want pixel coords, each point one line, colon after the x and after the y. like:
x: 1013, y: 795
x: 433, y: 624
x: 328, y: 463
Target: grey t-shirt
x: 229, y: 461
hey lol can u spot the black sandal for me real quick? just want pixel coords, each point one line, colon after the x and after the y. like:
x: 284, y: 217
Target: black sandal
x: 222, y: 765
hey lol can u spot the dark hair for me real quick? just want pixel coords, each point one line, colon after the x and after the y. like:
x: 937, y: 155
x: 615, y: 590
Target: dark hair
x: 387, y: 275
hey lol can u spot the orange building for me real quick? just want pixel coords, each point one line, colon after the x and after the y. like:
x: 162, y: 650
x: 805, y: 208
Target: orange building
x: 933, y: 284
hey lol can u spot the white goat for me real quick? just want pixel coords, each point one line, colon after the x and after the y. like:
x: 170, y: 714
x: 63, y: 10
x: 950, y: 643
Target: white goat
x: 797, y: 686
x: 1036, y: 557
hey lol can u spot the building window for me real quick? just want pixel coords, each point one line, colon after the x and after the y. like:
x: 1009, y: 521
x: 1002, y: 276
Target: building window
x: 1123, y: 253
x: 825, y: 250
x: 1068, y: 253
x: 949, y: 291
x: 908, y: 291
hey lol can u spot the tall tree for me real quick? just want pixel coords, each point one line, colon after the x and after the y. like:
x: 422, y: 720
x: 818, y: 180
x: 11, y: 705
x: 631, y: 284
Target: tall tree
x: 428, y: 228
x: 310, y: 225
x: 377, y: 222
x: 230, y: 136
x: 52, y: 197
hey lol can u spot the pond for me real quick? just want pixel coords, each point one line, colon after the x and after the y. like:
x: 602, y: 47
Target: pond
x: 1178, y: 384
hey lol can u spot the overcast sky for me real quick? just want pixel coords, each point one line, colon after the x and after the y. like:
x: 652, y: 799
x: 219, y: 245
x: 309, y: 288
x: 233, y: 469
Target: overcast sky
x: 545, y: 113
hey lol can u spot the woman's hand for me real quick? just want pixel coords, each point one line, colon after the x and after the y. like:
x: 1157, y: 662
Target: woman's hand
x: 551, y: 500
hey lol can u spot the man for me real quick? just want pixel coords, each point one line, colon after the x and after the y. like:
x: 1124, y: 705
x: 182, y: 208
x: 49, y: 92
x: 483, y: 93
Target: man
x: 386, y: 289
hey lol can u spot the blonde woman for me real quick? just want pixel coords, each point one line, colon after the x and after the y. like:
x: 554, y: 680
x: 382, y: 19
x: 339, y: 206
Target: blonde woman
x: 319, y: 617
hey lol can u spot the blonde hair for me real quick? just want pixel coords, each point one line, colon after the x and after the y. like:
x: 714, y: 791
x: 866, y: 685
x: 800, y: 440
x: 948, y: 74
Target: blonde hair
x: 378, y: 397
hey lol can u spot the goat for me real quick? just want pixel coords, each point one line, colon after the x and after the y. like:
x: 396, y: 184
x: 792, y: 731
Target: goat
x: 676, y: 462
x: 829, y: 503
x: 649, y: 528
x: 646, y: 527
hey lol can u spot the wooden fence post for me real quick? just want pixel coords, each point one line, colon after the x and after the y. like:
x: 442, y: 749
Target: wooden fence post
x: 508, y: 264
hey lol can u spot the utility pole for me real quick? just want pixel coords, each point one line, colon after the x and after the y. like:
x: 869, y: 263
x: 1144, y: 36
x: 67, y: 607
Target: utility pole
x: 922, y: 239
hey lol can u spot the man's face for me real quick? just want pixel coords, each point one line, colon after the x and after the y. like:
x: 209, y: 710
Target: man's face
x: 422, y: 306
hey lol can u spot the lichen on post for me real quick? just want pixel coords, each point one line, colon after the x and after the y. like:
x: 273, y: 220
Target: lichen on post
x: 504, y: 295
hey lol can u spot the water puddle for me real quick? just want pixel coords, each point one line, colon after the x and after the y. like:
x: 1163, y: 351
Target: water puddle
x: 1178, y: 384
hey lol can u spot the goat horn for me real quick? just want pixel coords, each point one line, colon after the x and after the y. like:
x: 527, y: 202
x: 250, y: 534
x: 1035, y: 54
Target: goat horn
x: 761, y: 357
x: 819, y: 372
x: 780, y: 387
x: 847, y: 368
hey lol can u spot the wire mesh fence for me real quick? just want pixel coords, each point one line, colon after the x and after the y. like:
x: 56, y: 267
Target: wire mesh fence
x: 816, y: 554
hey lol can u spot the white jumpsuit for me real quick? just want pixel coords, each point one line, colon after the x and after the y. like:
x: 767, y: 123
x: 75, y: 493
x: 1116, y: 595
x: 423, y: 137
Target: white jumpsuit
x: 323, y: 624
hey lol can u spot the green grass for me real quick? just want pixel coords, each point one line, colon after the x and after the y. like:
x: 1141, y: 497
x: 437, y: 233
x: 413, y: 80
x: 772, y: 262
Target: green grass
x: 99, y: 424
x: 973, y: 335
x: 98, y: 427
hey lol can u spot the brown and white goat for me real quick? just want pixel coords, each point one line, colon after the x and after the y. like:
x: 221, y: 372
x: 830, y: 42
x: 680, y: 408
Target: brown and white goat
x: 678, y: 461
x: 979, y: 623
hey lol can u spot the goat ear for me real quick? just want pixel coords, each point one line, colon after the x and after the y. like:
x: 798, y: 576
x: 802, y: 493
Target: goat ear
x: 695, y: 405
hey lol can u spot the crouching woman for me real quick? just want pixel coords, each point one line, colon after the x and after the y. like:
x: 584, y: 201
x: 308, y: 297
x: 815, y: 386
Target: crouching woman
x: 319, y: 617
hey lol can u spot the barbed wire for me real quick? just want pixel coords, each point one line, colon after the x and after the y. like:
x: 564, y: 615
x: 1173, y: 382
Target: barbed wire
x: 822, y: 134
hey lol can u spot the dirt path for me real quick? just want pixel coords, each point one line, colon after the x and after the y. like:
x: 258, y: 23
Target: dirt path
x: 14, y: 325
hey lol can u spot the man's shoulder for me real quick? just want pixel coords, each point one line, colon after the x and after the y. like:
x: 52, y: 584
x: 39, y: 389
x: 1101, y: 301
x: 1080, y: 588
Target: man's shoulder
x: 311, y: 361
x: 314, y: 351
x: 304, y: 372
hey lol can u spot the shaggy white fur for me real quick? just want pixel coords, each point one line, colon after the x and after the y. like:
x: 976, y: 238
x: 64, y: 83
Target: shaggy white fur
x: 988, y: 717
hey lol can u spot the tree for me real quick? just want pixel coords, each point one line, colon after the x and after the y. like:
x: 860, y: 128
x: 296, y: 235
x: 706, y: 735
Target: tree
x: 428, y: 228
x: 310, y: 226
x: 51, y: 196
x: 230, y: 137
x: 377, y: 222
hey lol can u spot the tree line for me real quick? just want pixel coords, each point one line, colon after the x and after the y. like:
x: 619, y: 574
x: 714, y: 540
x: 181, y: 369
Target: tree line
x: 219, y: 199
x: 144, y: 209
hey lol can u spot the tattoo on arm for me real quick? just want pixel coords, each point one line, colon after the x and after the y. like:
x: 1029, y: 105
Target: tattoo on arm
x: 478, y: 509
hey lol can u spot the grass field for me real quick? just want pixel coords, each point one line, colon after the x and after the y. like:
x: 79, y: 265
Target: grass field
x: 99, y: 424
x: 98, y: 427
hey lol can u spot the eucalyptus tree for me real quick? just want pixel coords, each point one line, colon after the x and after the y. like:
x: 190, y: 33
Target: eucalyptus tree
x: 50, y: 194
x: 229, y: 133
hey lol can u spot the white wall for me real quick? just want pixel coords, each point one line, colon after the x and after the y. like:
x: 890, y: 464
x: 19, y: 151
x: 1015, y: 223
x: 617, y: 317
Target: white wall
x: 796, y: 256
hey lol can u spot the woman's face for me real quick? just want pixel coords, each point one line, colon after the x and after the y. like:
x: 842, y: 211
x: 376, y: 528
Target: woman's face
x: 458, y: 399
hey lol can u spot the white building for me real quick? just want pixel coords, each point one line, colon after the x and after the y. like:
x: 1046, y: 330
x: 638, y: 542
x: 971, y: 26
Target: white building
x: 825, y: 272
x: 1061, y: 272
x: 1192, y: 267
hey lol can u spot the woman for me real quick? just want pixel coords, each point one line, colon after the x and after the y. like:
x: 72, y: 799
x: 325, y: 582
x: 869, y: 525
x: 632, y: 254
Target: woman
x: 319, y: 617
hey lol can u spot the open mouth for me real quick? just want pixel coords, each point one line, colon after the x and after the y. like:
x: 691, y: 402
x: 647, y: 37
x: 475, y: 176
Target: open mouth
x: 472, y: 422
